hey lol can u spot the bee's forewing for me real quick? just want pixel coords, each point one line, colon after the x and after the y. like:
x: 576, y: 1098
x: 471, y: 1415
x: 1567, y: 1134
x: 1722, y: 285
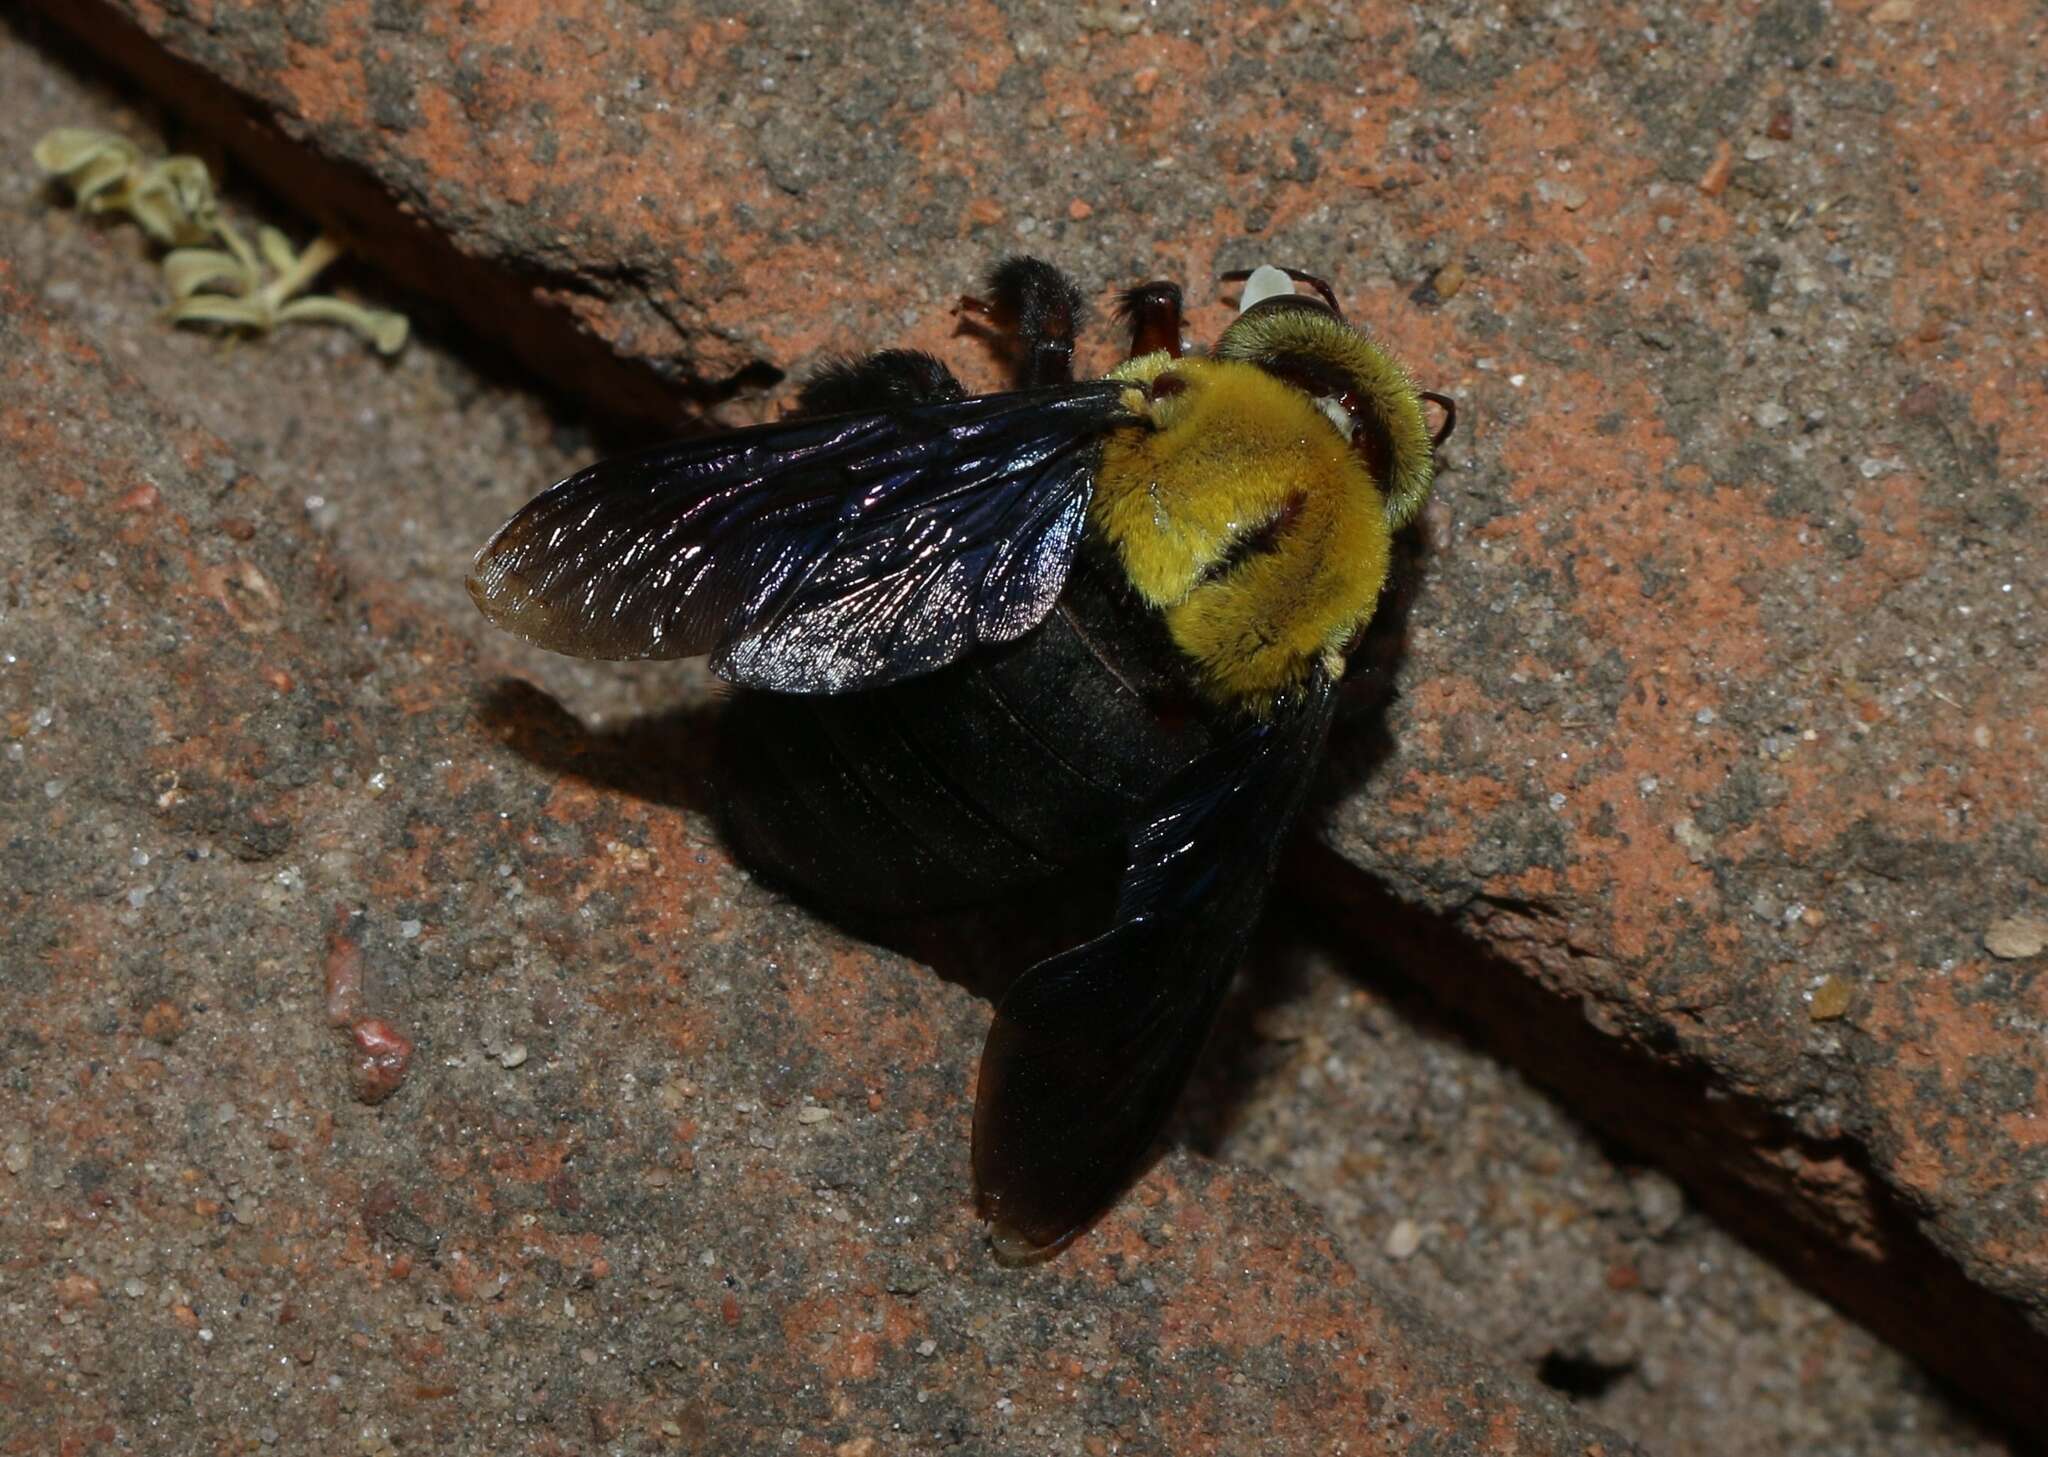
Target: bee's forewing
x: 812, y: 555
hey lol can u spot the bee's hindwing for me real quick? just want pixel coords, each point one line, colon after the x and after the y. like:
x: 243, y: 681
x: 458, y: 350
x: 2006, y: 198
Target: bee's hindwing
x: 1090, y: 1050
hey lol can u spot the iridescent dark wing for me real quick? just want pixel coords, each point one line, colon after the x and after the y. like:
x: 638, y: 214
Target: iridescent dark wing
x: 812, y: 555
x: 1089, y: 1050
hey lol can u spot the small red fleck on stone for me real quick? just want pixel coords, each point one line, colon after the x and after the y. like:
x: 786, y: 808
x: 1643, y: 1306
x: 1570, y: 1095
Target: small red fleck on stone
x: 1714, y: 181
x: 1623, y: 1277
x: 143, y: 498
x: 74, y: 1291
x: 345, y: 969
x: 1780, y: 128
x: 241, y: 528
x: 729, y: 1309
x: 385, y: 1054
x: 1922, y: 403
x: 163, y: 1022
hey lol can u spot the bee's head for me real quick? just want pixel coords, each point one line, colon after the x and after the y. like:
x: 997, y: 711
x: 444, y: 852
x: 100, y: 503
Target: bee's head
x: 1366, y: 395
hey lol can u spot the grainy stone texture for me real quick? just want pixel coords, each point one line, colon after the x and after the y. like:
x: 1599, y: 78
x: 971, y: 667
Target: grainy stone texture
x: 1718, y: 718
x: 617, y: 1198
x: 1529, y: 1240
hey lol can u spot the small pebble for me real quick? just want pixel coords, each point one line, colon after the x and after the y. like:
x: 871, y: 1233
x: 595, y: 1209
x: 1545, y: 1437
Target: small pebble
x: 1404, y: 1239
x: 514, y: 1055
x: 1714, y: 181
x: 2016, y: 937
x: 1659, y: 1204
x: 1830, y: 1000
x: 383, y: 1054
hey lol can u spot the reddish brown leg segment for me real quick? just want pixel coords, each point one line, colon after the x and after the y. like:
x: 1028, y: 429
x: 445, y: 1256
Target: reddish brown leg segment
x: 1153, y: 312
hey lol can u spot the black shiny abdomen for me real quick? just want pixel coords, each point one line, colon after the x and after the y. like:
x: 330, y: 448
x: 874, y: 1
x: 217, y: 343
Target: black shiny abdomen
x: 982, y: 778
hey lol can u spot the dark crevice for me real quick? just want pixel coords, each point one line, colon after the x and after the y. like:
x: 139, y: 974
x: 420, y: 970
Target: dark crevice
x: 1744, y: 1161
x: 490, y: 299
x: 1580, y: 1376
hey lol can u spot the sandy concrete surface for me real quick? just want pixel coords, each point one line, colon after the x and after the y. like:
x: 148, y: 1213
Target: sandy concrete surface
x: 1695, y: 769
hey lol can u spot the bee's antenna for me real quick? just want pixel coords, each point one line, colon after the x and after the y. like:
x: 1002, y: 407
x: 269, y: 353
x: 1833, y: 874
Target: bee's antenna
x: 1450, y: 408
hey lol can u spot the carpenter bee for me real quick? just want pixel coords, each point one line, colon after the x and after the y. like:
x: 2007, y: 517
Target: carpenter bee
x: 999, y: 636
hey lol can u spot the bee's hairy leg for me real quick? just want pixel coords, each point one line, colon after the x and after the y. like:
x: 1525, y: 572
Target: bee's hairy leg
x: 1032, y: 309
x: 1153, y: 312
x: 884, y: 381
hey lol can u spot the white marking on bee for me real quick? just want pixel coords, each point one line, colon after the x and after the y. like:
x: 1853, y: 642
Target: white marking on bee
x: 1339, y: 416
x: 1265, y: 282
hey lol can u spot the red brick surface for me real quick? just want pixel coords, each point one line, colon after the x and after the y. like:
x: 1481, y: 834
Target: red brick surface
x: 618, y: 1196
x: 1717, y: 721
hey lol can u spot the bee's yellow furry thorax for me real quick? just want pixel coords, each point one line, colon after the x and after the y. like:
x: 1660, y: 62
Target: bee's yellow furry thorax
x: 1240, y: 511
